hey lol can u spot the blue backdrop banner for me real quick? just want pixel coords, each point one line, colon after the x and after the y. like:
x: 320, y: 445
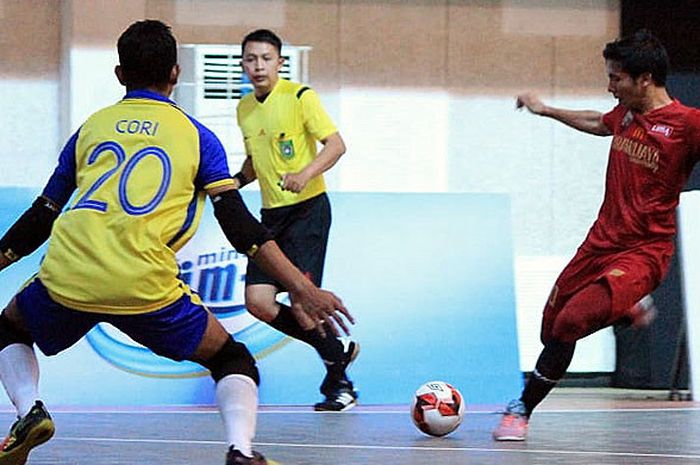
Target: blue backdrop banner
x: 429, y: 278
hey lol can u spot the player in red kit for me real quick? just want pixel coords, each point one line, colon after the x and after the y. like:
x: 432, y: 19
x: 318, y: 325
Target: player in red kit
x: 656, y: 143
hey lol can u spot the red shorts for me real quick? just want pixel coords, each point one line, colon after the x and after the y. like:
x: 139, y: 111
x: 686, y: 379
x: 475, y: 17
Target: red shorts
x: 630, y: 275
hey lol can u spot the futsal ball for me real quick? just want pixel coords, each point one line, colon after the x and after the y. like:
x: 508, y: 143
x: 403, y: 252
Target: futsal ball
x: 437, y: 408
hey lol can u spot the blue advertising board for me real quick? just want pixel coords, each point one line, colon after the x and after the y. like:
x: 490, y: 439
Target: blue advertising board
x: 429, y: 278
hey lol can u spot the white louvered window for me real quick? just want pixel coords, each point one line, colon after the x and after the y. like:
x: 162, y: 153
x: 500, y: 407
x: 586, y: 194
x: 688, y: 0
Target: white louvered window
x: 212, y: 81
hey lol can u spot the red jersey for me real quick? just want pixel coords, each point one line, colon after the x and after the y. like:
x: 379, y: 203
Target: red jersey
x: 651, y: 157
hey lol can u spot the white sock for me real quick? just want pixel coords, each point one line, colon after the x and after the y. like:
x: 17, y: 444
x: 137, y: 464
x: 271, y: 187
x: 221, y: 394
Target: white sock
x: 19, y: 371
x: 237, y: 398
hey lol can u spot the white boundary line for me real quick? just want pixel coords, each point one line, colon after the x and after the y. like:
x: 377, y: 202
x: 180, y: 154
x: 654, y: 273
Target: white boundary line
x: 625, y: 410
x: 213, y: 411
x: 411, y: 448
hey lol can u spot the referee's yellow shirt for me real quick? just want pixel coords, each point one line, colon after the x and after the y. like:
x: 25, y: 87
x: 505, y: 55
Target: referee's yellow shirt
x: 280, y: 136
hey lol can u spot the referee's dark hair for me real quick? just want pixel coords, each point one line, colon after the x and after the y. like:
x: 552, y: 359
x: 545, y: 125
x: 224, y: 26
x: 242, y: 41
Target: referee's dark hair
x: 147, y: 53
x: 263, y: 35
x: 640, y: 53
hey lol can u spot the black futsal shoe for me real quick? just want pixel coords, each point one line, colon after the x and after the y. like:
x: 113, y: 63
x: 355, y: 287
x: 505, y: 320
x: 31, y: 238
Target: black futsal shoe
x: 236, y: 457
x: 343, y: 397
x: 29, y: 431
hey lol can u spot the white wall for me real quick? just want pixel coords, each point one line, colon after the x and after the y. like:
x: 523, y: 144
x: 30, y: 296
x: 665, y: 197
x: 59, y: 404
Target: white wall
x: 397, y: 140
x: 689, y: 245
x: 91, y: 83
x: 28, y: 131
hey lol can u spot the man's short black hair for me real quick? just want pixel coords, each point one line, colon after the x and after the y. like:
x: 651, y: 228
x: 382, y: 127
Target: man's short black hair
x: 640, y: 53
x: 147, y: 54
x: 263, y: 35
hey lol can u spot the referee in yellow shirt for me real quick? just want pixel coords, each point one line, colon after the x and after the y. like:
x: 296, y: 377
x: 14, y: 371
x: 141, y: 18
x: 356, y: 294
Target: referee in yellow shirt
x: 281, y: 122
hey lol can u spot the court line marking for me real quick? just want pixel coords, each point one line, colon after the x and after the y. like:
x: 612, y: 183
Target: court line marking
x: 264, y: 411
x: 411, y: 448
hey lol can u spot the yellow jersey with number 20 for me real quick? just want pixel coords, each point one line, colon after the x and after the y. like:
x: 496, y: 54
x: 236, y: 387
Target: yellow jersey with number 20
x: 140, y: 168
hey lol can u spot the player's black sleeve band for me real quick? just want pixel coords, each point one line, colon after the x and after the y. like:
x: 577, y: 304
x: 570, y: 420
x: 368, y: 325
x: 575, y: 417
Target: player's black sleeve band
x: 30, y: 230
x: 242, y: 178
x: 245, y: 233
x: 301, y: 91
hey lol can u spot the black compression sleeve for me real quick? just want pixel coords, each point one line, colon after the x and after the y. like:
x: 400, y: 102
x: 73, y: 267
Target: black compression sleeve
x: 30, y: 230
x: 245, y: 233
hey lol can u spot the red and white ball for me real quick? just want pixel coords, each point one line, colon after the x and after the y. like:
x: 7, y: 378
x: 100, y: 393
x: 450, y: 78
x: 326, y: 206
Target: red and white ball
x: 437, y: 408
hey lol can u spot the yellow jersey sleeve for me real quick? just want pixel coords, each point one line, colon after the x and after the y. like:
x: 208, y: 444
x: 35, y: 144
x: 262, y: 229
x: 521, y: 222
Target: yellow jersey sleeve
x: 316, y: 119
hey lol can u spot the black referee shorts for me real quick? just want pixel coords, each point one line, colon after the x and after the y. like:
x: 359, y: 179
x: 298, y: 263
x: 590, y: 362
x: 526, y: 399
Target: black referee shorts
x: 301, y: 231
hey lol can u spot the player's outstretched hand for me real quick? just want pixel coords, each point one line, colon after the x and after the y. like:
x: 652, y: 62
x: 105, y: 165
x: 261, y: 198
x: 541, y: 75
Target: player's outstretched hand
x: 317, y: 307
x: 530, y: 101
x: 311, y: 306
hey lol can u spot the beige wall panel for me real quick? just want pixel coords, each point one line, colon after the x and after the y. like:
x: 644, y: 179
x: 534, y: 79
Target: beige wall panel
x: 317, y: 24
x: 579, y: 64
x: 189, y: 27
x: 30, y: 39
x: 484, y: 59
x: 160, y: 9
x: 491, y: 54
x: 579, y: 67
x: 231, y: 12
x: 556, y: 17
x: 393, y: 43
x: 98, y: 23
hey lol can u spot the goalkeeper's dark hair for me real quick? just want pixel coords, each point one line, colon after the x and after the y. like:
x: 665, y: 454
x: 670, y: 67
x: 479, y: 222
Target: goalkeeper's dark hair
x: 263, y: 35
x: 640, y: 53
x: 147, y: 53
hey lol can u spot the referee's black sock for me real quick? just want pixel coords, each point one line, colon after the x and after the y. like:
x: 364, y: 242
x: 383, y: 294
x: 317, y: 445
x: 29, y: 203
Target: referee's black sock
x: 329, y: 348
x: 549, y: 369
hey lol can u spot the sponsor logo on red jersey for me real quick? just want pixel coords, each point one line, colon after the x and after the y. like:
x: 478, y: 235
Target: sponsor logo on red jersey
x: 662, y: 129
x: 637, y: 152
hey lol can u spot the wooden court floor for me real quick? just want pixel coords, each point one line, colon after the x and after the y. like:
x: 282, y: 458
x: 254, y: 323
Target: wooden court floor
x: 574, y: 426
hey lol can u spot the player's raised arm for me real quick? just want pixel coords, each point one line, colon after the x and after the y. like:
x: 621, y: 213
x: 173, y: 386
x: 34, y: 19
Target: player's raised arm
x: 589, y: 121
x: 313, y: 306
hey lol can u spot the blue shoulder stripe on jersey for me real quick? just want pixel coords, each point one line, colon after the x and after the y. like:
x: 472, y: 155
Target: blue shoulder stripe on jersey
x: 213, y: 165
x: 189, y: 219
x: 62, y: 183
